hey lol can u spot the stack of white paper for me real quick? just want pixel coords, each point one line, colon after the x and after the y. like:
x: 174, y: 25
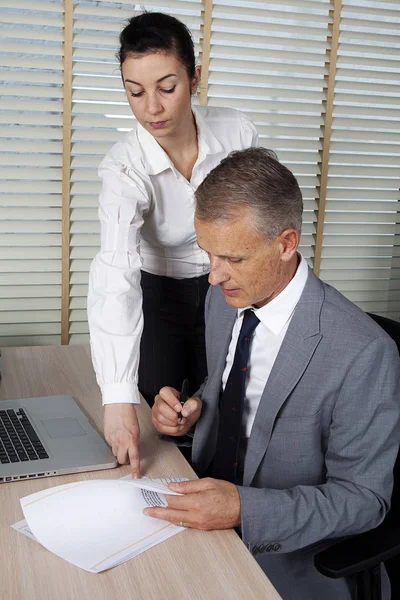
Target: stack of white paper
x: 97, y: 524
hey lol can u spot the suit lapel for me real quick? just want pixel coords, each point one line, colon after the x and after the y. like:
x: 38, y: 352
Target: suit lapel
x: 301, y: 340
x: 220, y: 322
x: 221, y: 337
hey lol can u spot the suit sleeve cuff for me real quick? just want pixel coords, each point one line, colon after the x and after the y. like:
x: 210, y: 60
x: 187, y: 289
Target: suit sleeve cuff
x: 115, y: 393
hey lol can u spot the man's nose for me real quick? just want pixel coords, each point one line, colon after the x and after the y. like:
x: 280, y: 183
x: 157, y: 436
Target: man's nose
x: 217, y: 272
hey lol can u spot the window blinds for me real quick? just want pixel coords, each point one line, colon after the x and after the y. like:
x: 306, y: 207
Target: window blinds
x: 31, y: 37
x: 361, y: 244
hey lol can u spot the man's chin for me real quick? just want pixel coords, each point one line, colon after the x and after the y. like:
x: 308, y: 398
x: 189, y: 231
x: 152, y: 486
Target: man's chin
x: 236, y: 301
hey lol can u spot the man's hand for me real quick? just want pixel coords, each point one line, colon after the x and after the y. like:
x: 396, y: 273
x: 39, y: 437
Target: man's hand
x: 207, y: 504
x: 167, y: 409
x: 121, y: 430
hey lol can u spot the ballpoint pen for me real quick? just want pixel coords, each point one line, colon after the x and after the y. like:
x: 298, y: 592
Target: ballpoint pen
x: 184, y: 396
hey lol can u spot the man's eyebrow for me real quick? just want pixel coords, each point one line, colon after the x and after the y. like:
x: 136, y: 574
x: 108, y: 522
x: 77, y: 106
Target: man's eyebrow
x: 158, y: 80
x: 220, y: 255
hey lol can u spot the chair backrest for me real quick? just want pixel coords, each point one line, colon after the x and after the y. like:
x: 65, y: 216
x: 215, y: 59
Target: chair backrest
x: 392, y: 328
x: 393, y: 515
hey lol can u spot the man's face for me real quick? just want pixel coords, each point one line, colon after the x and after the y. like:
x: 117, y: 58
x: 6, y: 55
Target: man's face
x: 250, y: 269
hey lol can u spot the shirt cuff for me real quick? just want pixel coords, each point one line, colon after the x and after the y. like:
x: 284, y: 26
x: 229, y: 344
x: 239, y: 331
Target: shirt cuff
x: 114, y: 393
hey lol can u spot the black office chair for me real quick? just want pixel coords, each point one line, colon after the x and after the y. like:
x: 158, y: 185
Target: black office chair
x: 362, y: 555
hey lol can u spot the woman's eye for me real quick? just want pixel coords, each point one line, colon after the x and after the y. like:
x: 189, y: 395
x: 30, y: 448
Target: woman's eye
x: 235, y: 260
x: 168, y: 90
x: 136, y: 94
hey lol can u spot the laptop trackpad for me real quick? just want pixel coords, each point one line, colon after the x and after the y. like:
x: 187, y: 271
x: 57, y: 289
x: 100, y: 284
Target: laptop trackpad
x: 66, y: 427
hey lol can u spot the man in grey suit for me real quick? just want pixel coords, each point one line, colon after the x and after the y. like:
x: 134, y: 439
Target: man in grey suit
x: 313, y: 384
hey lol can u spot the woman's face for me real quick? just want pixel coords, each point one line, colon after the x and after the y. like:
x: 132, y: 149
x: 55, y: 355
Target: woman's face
x: 159, y: 92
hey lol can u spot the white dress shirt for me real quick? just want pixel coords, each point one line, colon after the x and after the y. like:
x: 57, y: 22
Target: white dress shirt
x: 267, y: 339
x: 146, y: 213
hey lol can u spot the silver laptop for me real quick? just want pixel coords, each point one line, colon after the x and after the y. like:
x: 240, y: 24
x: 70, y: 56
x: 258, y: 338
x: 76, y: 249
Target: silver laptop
x: 40, y: 437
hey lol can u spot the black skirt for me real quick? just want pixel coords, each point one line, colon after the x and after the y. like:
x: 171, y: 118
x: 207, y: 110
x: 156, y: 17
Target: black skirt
x: 172, y: 346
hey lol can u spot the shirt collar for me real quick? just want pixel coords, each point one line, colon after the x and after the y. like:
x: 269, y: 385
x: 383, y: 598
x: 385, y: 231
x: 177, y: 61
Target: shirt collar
x: 276, y: 313
x: 208, y: 143
x: 157, y: 160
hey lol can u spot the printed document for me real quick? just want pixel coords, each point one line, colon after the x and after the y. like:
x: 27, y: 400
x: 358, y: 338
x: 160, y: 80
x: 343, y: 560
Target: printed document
x: 97, y: 524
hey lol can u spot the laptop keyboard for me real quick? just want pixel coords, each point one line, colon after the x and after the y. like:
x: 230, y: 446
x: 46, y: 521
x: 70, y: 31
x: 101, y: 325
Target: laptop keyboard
x: 18, y: 439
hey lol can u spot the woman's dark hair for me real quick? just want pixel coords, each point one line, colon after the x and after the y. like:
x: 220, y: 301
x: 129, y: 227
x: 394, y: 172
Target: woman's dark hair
x: 157, y: 32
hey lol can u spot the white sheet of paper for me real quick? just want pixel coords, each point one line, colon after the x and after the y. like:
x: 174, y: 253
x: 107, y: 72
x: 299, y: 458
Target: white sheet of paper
x: 22, y: 527
x: 154, y: 485
x: 97, y: 524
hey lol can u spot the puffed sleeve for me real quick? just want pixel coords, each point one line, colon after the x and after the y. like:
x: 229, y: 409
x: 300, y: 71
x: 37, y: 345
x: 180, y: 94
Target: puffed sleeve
x: 115, y: 297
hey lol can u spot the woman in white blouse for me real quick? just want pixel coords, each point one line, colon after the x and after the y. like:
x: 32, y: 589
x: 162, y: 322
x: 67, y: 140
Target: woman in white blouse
x: 148, y: 282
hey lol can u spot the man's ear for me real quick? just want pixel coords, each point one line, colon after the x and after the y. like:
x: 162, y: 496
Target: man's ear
x: 196, y: 79
x: 289, y: 241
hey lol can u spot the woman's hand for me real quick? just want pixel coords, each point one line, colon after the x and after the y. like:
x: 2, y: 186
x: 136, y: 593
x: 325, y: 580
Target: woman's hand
x: 121, y: 430
x: 167, y: 409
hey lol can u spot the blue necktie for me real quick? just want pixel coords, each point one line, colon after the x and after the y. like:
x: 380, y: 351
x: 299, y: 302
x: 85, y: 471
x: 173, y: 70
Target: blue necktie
x: 231, y: 405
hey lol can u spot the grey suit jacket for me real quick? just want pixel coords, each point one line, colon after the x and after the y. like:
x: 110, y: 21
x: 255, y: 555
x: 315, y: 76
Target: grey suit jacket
x: 320, y: 456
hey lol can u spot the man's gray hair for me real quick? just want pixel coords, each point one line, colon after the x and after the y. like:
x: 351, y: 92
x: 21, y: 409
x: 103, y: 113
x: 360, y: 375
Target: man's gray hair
x: 252, y: 178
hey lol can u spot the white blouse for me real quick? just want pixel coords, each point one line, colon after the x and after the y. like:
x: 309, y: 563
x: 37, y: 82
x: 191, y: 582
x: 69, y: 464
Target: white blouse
x: 146, y: 214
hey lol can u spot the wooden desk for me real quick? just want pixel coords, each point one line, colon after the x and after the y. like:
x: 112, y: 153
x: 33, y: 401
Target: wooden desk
x: 192, y: 565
